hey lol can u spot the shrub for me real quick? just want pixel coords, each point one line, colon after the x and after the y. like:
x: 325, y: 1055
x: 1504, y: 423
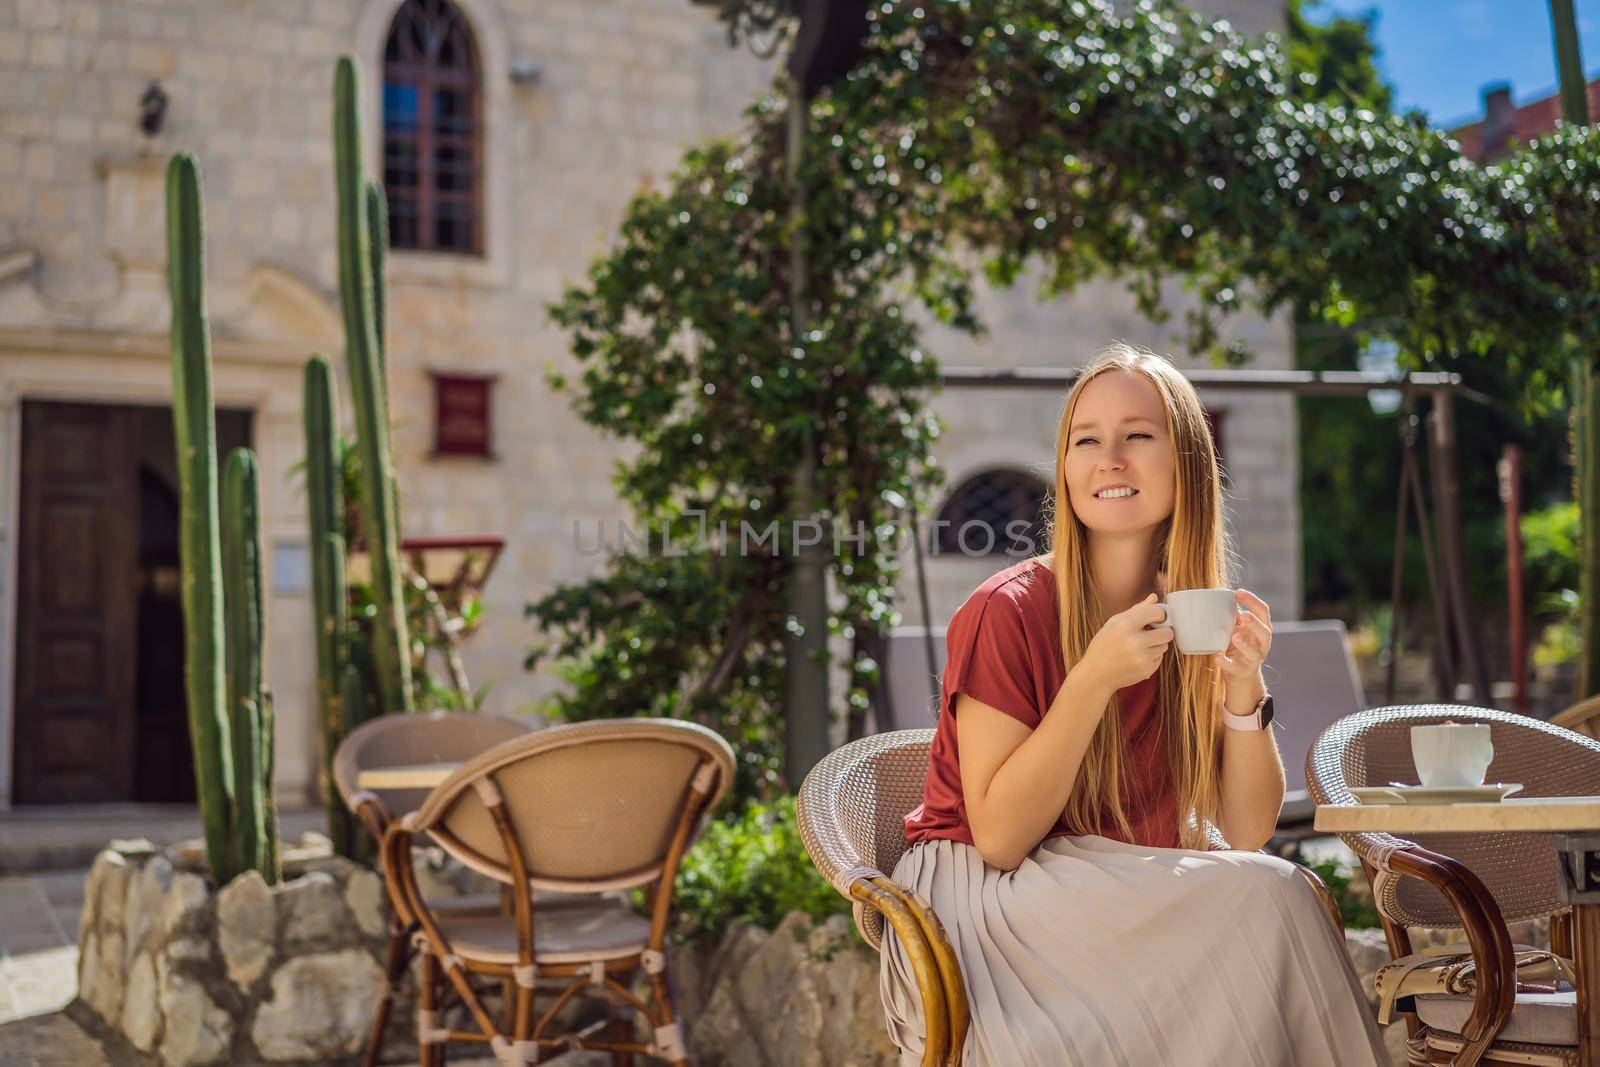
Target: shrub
x: 750, y: 865
x: 1550, y: 547
x: 1349, y: 888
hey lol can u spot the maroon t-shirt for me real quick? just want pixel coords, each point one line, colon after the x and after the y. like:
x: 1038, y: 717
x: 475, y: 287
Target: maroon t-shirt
x: 1003, y: 646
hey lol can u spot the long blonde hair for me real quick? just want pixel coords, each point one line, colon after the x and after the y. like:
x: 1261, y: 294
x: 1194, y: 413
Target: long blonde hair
x: 1192, y: 548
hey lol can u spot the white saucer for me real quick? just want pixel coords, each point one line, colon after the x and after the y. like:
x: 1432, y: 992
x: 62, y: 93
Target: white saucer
x: 1399, y: 793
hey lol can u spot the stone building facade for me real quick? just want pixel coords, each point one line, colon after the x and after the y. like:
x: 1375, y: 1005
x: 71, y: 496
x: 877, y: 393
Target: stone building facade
x: 582, y: 103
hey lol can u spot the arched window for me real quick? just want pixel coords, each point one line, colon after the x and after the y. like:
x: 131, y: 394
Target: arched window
x: 994, y: 499
x: 433, y: 130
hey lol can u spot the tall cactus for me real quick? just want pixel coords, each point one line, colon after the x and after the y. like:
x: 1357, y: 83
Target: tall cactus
x: 364, y: 356
x: 194, y: 426
x: 250, y: 725
x: 232, y: 755
x: 330, y: 600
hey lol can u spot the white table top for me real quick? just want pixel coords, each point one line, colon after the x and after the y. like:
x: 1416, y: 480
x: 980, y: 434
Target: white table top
x: 1527, y: 814
x: 413, y: 776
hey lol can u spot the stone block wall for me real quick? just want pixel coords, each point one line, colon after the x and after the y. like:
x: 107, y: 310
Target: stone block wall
x: 189, y: 976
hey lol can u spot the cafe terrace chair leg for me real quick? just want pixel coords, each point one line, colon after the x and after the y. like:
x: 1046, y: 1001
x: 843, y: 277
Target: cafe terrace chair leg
x: 429, y: 1047
x: 375, y: 818
x: 394, y: 971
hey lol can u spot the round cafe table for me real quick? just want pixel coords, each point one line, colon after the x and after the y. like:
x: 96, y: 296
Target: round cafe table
x: 1573, y: 824
x: 409, y: 776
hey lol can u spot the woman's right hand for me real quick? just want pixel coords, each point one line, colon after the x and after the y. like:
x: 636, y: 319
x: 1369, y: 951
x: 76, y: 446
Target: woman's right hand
x: 1129, y: 647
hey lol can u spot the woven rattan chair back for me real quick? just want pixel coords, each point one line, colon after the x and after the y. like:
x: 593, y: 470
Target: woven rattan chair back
x: 853, y: 805
x: 1373, y: 747
x: 417, y: 738
x: 593, y: 805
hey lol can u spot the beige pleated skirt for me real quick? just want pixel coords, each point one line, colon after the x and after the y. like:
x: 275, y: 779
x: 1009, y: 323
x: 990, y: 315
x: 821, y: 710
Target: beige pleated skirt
x: 1097, y: 953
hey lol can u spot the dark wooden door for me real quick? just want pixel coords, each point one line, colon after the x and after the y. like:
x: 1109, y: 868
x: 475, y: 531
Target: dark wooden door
x: 76, y: 640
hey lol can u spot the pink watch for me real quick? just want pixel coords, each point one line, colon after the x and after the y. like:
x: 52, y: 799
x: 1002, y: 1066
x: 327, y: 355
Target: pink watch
x: 1256, y: 720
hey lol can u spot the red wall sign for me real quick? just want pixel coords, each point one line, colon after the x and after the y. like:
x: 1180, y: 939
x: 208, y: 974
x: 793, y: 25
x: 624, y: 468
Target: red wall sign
x: 461, y: 410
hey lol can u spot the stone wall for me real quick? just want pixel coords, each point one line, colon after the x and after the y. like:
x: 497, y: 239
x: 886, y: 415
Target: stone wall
x: 183, y: 975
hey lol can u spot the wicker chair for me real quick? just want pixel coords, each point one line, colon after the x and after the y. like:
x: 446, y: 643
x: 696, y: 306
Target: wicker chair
x: 1472, y: 881
x: 398, y: 741
x: 1584, y: 717
x: 587, y: 808
x: 852, y: 810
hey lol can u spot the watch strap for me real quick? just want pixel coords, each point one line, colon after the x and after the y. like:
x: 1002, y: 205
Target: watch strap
x: 1252, y: 722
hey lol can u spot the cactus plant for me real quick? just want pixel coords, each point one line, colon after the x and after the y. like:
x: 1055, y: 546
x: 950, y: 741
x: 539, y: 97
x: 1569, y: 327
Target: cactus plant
x: 361, y: 301
x: 377, y: 209
x: 330, y: 599
x: 250, y: 725
x: 232, y: 748
x: 352, y: 694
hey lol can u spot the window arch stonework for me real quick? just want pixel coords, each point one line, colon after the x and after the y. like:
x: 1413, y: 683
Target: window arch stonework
x: 433, y: 129
x: 993, y: 499
x: 491, y: 267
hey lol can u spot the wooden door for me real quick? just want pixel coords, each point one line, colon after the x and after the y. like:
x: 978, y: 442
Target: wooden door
x: 77, y: 554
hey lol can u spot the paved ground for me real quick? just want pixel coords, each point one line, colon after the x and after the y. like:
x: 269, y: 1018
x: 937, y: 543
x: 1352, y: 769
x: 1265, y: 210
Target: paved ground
x: 39, y: 971
x: 67, y: 837
x: 38, y: 943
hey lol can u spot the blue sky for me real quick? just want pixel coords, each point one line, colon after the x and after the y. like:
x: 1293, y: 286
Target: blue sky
x: 1439, y: 54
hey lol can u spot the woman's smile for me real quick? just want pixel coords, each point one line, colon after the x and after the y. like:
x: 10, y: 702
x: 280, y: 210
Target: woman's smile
x: 1116, y: 492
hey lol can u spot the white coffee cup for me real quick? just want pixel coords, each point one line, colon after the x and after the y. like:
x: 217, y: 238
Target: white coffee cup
x: 1201, y: 619
x: 1452, y: 753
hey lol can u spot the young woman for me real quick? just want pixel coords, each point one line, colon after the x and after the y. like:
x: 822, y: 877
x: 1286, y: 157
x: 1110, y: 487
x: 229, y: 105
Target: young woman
x: 1080, y: 757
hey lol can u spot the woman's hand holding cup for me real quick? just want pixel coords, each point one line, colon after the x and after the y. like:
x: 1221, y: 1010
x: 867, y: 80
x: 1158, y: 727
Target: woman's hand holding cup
x: 1129, y: 646
x: 1250, y: 641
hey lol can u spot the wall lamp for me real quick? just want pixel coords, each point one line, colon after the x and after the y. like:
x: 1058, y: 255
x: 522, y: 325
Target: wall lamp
x: 152, y: 109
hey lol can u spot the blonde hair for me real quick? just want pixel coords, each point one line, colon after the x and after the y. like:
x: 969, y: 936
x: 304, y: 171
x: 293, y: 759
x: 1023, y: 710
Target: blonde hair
x: 1192, y: 548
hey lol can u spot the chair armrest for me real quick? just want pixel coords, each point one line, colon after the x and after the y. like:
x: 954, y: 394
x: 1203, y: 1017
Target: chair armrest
x: 399, y: 876
x: 374, y: 815
x: 910, y: 916
x: 1486, y: 931
x: 1328, y: 900
x: 944, y: 955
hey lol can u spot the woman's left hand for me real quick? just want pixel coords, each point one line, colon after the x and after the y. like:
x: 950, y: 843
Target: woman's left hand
x: 1251, y: 640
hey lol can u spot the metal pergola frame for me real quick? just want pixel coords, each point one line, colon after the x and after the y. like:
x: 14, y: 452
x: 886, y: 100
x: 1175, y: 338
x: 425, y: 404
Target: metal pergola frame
x: 1460, y: 648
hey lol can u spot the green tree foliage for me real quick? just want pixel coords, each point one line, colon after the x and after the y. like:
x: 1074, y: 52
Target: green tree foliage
x: 1350, y: 457
x: 1143, y: 144
x: 1333, y: 59
x: 683, y: 334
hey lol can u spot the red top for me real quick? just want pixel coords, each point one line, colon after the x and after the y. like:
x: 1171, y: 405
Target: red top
x: 1004, y: 648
